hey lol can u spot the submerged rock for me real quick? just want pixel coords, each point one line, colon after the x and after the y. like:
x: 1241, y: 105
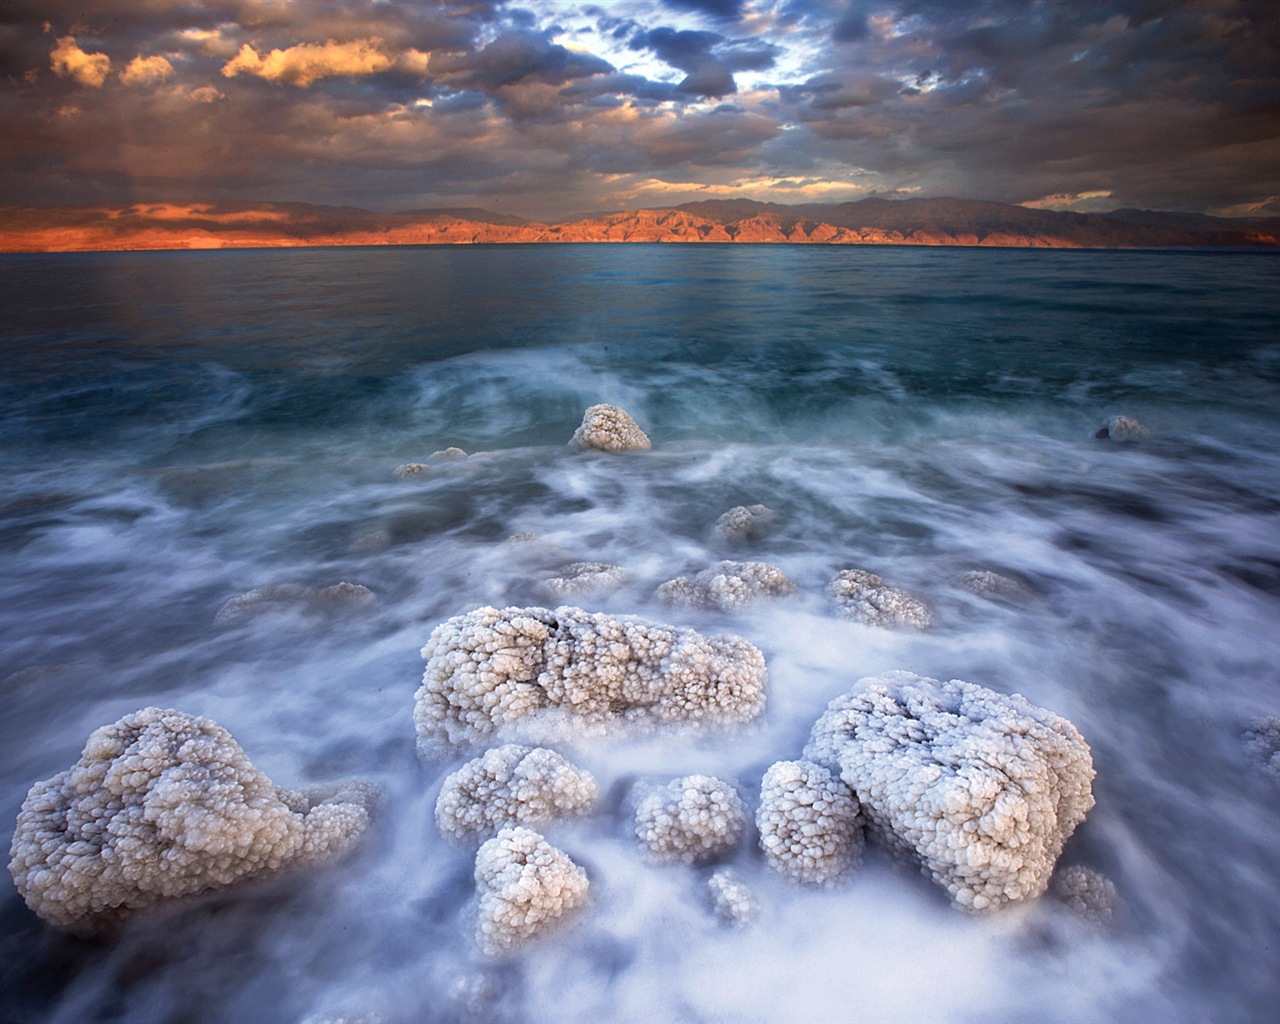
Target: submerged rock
x: 727, y: 586
x: 744, y: 523
x: 607, y: 428
x: 867, y: 598
x: 1122, y: 428
x: 691, y: 820
x: 334, y: 598
x: 1262, y: 741
x: 1089, y: 893
x: 526, y: 887
x: 732, y: 900
x: 164, y: 805
x: 981, y: 789
x: 580, y: 579
x: 551, y: 674
x: 986, y: 583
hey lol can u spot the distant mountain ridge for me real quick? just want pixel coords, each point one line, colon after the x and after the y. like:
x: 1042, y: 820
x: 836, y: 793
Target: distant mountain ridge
x: 873, y: 221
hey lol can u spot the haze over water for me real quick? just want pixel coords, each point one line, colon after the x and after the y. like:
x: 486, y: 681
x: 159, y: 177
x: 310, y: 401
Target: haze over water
x: 178, y: 428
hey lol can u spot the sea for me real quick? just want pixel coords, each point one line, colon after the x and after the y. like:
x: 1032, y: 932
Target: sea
x: 180, y: 429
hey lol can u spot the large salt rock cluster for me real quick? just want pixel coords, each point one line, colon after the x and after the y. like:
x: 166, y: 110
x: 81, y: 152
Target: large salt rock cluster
x: 980, y: 788
x: 866, y: 597
x: 809, y: 822
x: 544, y: 673
x: 610, y: 429
x: 692, y: 819
x: 512, y: 785
x: 163, y: 805
x: 727, y: 586
x: 526, y: 887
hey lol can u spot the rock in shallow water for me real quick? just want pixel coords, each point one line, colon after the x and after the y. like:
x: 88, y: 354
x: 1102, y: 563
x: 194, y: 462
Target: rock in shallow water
x: 982, y: 789
x: 809, y: 821
x: 692, y: 819
x: 526, y: 887
x: 607, y: 428
x: 553, y: 674
x: 512, y: 785
x: 727, y: 586
x: 868, y: 599
x: 164, y: 805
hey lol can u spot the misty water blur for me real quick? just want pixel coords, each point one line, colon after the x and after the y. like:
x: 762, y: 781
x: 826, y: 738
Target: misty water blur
x: 179, y: 428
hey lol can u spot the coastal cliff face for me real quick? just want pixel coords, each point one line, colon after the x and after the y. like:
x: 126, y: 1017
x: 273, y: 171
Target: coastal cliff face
x: 868, y: 222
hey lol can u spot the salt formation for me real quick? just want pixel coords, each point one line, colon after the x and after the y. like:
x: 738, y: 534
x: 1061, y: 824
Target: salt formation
x: 1262, y: 740
x: 410, y: 469
x: 1089, y: 893
x: 1122, y: 428
x: 866, y: 597
x: 731, y: 898
x: 512, y: 785
x: 553, y: 673
x: 693, y: 819
x: 526, y: 887
x: 583, y: 579
x: 988, y: 583
x: 744, y: 523
x: 336, y: 597
x: 163, y: 805
x: 982, y: 789
x: 610, y: 429
x: 809, y: 822
x: 727, y: 586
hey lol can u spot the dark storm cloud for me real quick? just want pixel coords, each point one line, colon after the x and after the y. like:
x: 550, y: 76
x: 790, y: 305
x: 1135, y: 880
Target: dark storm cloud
x: 708, y: 59
x: 1014, y: 101
x: 1165, y: 104
x: 719, y: 10
x: 517, y: 56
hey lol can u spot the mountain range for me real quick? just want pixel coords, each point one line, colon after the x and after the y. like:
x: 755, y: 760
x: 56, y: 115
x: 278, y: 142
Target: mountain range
x: 872, y: 221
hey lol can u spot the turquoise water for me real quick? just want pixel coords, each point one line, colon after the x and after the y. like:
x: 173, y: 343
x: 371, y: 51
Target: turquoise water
x: 178, y: 428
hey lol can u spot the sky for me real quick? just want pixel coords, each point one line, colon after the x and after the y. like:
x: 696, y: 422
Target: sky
x: 555, y: 108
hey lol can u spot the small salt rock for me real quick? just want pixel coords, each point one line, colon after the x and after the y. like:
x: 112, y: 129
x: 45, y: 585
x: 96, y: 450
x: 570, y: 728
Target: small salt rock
x: 1262, y: 741
x: 744, y: 523
x: 1122, y: 428
x: 447, y: 455
x: 732, y: 899
x: 1089, y: 893
x: 868, y: 599
x: 412, y: 469
x: 608, y: 428
x: 581, y: 579
x: 986, y: 583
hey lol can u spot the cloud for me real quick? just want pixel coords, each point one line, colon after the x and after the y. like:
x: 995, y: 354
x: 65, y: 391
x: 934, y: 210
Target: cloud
x: 708, y: 59
x: 146, y: 70
x: 206, y: 94
x: 306, y: 63
x: 1077, y: 202
x: 69, y: 61
x: 719, y: 10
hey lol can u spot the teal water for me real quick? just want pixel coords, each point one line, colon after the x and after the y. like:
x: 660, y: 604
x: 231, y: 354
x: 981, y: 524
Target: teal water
x: 178, y: 428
